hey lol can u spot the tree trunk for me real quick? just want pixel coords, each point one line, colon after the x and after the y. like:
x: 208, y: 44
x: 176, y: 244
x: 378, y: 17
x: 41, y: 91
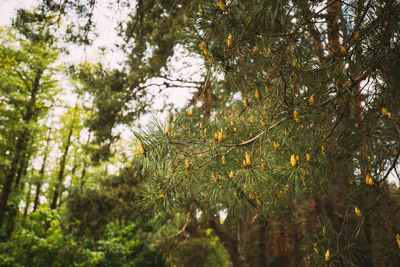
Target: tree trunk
x: 20, y: 148
x: 231, y: 244
x: 23, y: 166
x: 5, y: 193
x: 262, y: 244
x: 27, y: 201
x: 60, y: 179
x: 36, y: 202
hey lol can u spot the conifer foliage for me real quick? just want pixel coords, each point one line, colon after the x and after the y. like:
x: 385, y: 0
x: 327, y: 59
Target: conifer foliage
x: 306, y: 141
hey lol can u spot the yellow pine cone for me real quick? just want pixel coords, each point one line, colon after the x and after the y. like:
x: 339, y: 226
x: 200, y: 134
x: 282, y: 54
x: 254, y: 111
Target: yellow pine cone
x: 296, y: 116
x: 245, y: 103
x: 368, y: 180
x: 166, y: 131
x: 277, y: 145
x: 308, y: 157
x: 398, y: 240
x: 255, y: 50
x: 229, y: 40
x: 257, y: 95
x: 311, y: 100
x: 384, y: 112
x: 202, y: 45
x: 327, y: 255
x: 190, y: 112
x: 248, y: 162
x: 342, y: 50
x: 223, y: 160
x: 323, y: 150
x: 222, y: 5
x: 218, y: 136
x: 231, y: 174
x: 187, y: 164
x: 358, y: 212
x: 293, y: 160
x: 140, y: 148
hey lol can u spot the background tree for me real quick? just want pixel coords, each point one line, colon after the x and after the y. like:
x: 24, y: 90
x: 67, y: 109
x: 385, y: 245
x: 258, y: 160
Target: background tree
x: 27, y: 85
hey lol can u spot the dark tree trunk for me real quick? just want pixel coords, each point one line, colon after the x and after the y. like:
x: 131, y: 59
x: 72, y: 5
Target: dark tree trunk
x: 262, y: 244
x: 20, y: 148
x: 233, y: 244
x: 36, y: 202
x: 27, y: 201
x: 23, y: 166
x: 5, y: 193
x: 60, y: 178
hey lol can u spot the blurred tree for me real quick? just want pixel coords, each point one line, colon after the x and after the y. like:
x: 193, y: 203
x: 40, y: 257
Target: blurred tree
x: 28, y: 53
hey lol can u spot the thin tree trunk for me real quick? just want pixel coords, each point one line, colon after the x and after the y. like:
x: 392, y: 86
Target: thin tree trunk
x: 262, y: 244
x: 27, y: 201
x: 41, y: 173
x: 60, y: 178
x: 23, y: 166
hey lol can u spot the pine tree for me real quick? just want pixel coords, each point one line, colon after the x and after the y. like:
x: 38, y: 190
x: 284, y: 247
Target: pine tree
x: 315, y: 127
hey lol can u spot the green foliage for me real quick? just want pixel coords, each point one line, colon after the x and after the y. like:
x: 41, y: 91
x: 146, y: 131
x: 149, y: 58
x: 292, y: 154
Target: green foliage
x: 44, y: 242
x: 121, y: 247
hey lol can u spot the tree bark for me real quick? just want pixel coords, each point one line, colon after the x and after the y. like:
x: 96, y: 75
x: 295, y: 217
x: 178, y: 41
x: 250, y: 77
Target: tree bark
x: 230, y: 242
x: 41, y: 173
x: 27, y: 201
x: 262, y: 244
x: 20, y: 148
x: 60, y: 178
